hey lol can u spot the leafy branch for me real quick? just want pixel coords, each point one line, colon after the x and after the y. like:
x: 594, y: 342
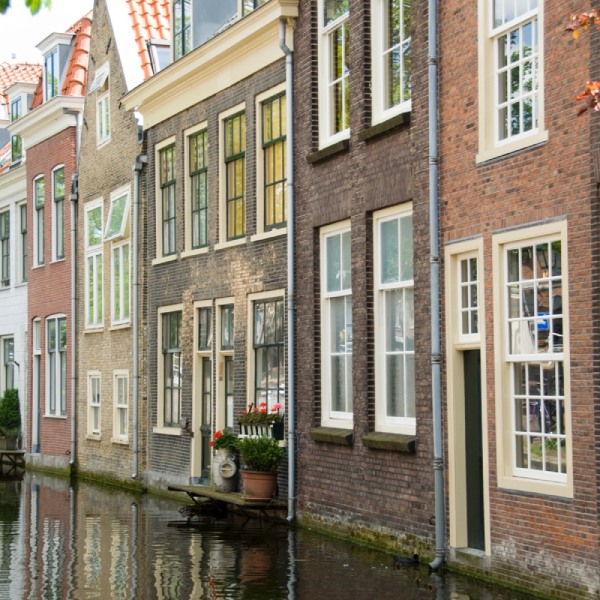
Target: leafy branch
x: 33, y: 5
x: 581, y: 22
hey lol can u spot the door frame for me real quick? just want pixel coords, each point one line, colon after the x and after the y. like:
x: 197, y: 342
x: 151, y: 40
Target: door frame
x: 456, y: 344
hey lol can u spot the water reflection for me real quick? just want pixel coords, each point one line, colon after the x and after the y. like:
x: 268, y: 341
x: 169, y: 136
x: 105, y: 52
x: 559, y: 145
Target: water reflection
x: 59, y: 541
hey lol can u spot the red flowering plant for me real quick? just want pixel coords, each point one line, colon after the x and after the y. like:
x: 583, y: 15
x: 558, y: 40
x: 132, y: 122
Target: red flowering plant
x: 260, y: 415
x: 224, y: 439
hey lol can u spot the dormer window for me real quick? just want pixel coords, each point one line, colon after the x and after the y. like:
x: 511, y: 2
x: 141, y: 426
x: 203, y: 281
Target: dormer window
x: 51, y: 74
x: 16, y: 112
x: 196, y: 21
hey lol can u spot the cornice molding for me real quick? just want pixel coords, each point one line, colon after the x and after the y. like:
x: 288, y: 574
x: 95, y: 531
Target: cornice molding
x: 248, y: 46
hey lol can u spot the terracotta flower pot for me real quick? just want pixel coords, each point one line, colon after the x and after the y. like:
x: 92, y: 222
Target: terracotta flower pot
x: 259, y: 486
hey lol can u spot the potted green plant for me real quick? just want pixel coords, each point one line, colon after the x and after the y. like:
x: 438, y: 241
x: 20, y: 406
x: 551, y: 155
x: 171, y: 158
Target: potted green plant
x: 10, y: 417
x: 260, y: 458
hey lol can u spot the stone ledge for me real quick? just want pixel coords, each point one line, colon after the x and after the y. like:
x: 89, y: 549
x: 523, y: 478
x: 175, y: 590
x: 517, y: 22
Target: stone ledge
x: 332, y: 435
x: 367, y: 134
x: 328, y: 152
x: 390, y: 441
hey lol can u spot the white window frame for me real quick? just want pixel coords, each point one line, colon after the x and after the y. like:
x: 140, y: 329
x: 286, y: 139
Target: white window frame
x: 468, y: 297
x: 103, y: 118
x: 22, y: 242
x: 251, y: 385
x: 490, y: 146
x: 510, y: 476
x: 5, y: 247
x: 39, y: 220
x: 121, y: 285
x: 56, y: 393
x: 280, y: 228
x: 327, y: 133
x: 380, y: 24
x: 223, y: 418
x: 160, y: 256
x: 7, y: 364
x: 58, y: 217
x: 404, y: 286
x: 161, y: 426
x: 122, y: 229
x: 330, y: 417
x: 51, y: 59
x: 188, y: 218
x: 94, y: 402
x: 121, y: 405
x: 94, y: 253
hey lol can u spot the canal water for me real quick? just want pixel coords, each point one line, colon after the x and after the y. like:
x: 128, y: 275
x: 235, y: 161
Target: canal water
x: 83, y: 541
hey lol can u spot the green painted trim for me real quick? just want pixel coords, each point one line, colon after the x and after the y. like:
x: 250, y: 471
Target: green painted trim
x: 376, y: 130
x: 328, y: 152
x: 390, y: 441
x: 332, y: 435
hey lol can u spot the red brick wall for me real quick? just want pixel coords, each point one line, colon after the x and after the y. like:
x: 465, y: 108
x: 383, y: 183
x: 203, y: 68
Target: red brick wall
x: 532, y: 535
x: 49, y: 286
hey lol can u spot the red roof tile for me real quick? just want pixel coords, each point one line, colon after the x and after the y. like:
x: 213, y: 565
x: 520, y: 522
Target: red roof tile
x: 76, y: 74
x: 150, y: 20
x: 16, y: 73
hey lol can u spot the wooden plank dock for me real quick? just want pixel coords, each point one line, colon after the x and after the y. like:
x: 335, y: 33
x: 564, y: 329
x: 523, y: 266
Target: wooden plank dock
x: 228, y: 500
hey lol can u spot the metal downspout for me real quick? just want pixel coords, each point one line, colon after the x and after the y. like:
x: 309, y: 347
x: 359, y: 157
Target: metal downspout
x: 291, y: 294
x: 140, y: 161
x: 434, y: 232
x: 74, y: 198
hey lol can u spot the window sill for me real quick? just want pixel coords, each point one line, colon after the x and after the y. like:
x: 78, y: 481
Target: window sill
x: 194, y: 252
x: 174, y: 431
x: 332, y: 435
x: 396, y: 442
x: 266, y: 235
x: 99, y: 329
x: 384, y: 127
x: 93, y: 437
x: 164, y: 259
x: 231, y: 244
x: 328, y: 152
x: 118, y: 326
x: 49, y: 416
x: 119, y: 442
x: 527, y: 142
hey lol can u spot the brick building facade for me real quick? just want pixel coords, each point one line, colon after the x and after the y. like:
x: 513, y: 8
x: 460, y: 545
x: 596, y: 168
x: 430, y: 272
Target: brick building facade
x: 364, y: 454
x: 519, y: 228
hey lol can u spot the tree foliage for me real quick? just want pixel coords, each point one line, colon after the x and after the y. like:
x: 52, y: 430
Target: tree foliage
x: 581, y: 22
x: 33, y: 5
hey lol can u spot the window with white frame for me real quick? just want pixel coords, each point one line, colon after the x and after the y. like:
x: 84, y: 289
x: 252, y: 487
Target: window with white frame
x: 391, y: 38
x: 535, y: 356
x: 118, y: 214
x: 336, y: 325
x: 198, y: 175
x: 168, y: 215
x: 93, y: 266
x: 103, y: 118
x: 22, y: 242
x: 269, y: 362
x: 120, y: 309
x: 121, y: 396
x: 511, y: 94
x: 56, y: 366
x: 334, y: 71
x: 16, y: 112
x: 394, y: 321
x: 51, y: 75
x: 226, y: 322
x: 171, y: 367
x: 234, y: 128
x: 38, y: 224
x: 7, y: 348
x: 94, y: 416
x: 468, y: 298
x: 58, y: 197
x: 182, y: 28
x: 5, y: 248
x: 273, y: 125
